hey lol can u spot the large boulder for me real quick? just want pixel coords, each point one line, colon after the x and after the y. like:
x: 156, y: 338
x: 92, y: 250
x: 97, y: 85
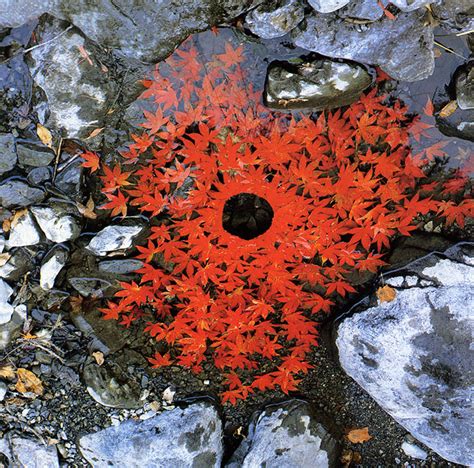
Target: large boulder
x: 180, y: 438
x: 413, y: 354
x: 402, y: 47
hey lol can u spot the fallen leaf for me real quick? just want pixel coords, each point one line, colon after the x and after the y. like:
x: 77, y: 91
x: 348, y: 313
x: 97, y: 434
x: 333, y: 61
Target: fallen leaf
x: 386, y: 294
x: 94, y: 133
x: 4, y: 257
x: 44, y: 135
x: 7, y: 372
x: 358, y: 436
x: 87, y: 210
x: 6, y: 225
x: 449, y: 109
x: 28, y: 382
x: 99, y: 357
x: 29, y: 336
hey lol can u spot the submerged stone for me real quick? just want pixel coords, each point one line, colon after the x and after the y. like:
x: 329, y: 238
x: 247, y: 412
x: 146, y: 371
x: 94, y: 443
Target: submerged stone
x: 414, y: 355
x: 268, y: 23
x: 455, y: 15
x: 402, y: 47
x: 189, y: 437
x: 34, y: 154
x: 317, y: 85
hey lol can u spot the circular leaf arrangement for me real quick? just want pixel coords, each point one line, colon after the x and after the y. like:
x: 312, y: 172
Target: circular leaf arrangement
x: 257, y: 218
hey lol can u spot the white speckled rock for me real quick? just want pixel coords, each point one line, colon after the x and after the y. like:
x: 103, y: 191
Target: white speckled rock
x: 6, y: 309
x: 286, y: 435
x: 31, y: 453
x: 52, y: 264
x: 180, y: 438
x: 23, y: 231
x: 56, y: 224
x: 414, y: 357
x: 114, y: 238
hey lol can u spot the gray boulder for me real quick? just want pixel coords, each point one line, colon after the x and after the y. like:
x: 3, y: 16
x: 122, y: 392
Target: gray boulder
x: 327, y: 6
x: 56, y: 223
x: 455, y: 15
x: 77, y: 91
x: 114, y: 238
x: 15, y: 193
x: 275, y: 22
x: 33, y: 154
x: 286, y: 435
x: 180, y: 438
x: 28, y: 452
x: 403, y: 47
x: 317, y: 85
x: 413, y: 355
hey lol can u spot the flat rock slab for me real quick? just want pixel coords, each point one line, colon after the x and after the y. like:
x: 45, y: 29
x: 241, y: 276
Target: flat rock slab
x: 413, y: 355
x: 180, y: 438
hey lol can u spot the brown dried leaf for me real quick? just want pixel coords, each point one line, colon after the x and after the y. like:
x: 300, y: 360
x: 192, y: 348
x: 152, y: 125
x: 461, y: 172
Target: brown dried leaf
x: 99, y: 357
x: 6, y: 225
x: 358, y: 436
x: 386, y: 294
x: 449, y: 109
x: 94, y: 133
x: 4, y: 257
x: 7, y: 372
x: 28, y: 382
x: 87, y: 210
x: 44, y: 135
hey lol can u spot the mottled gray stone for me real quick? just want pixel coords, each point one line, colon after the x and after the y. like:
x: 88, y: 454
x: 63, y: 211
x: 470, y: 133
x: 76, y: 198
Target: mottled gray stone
x: 114, y: 238
x: 327, y: 6
x: 34, y: 154
x: 275, y: 22
x: 70, y: 180
x: 286, y: 435
x: 465, y: 87
x: 8, y: 156
x: 362, y: 9
x: 56, y: 223
x: 88, y: 285
x: 317, y: 85
x: 16, y: 193
x: 77, y: 91
x: 180, y: 438
x: 39, y: 175
x: 32, y: 453
x: 120, y: 267
x: 12, y: 329
x: 403, y: 48
x: 413, y: 355
x: 6, y: 309
x: 410, y: 5
x: 17, y: 265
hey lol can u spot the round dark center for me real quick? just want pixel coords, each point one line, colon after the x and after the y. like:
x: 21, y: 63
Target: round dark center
x: 247, y: 215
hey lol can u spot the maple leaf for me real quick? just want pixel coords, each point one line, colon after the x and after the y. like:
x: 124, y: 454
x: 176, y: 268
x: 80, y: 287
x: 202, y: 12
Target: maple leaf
x: 117, y: 203
x: 91, y: 160
x: 159, y: 360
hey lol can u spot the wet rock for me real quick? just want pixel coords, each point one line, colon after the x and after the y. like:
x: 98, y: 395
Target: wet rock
x: 28, y: 452
x: 57, y: 225
x: 7, y: 153
x: 34, y: 154
x: 17, y: 265
x: 111, y: 387
x: 15, y: 92
x: 51, y: 265
x: 39, y: 175
x: 269, y: 23
x: 455, y: 15
x: 413, y: 355
x: 414, y: 451
x: 89, y: 287
x: 15, y: 193
x: 403, y: 48
x: 77, y: 91
x: 113, y: 239
x: 70, y: 180
x: 12, y: 329
x: 15, y: 13
x: 318, y: 85
x: 178, y: 438
x: 460, y: 124
x: 465, y: 87
x: 327, y: 6
x: 120, y: 267
x: 286, y: 435
x: 23, y: 230
x: 410, y: 5
x: 6, y: 309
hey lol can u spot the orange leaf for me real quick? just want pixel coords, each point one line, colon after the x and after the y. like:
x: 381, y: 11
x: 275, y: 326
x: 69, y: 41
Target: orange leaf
x: 386, y: 294
x: 358, y: 436
x: 28, y: 382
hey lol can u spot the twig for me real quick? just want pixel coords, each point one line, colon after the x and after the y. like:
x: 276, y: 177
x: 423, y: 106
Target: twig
x: 38, y: 45
x: 56, y: 161
x: 449, y: 50
x: 465, y: 33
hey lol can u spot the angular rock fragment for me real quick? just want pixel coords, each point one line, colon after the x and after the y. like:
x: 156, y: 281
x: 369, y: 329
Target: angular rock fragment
x: 15, y: 193
x: 327, y: 6
x: 8, y: 155
x: 114, y: 238
x: 52, y: 264
x: 57, y: 225
x: 23, y: 230
x: 34, y: 154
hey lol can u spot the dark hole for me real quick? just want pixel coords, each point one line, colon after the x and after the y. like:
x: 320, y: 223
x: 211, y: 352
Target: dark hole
x: 247, y: 215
